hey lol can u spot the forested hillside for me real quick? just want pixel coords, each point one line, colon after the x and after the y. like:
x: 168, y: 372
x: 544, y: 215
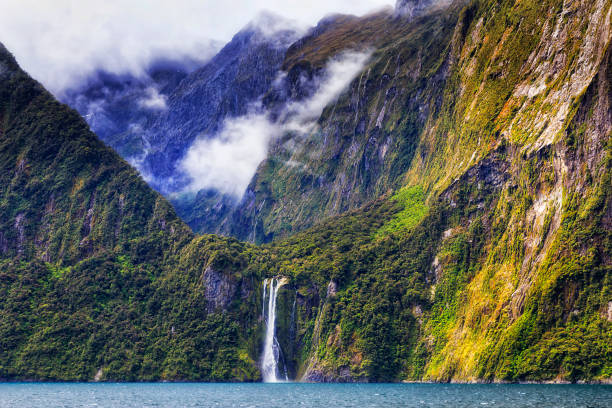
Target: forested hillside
x: 449, y: 219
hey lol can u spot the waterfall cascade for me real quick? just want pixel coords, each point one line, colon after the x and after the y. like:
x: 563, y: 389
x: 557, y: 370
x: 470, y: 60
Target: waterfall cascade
x: 272, y: 350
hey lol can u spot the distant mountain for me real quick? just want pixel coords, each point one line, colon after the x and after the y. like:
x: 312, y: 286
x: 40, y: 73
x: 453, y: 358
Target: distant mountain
x: 152, y: 120
x: 239, y: 75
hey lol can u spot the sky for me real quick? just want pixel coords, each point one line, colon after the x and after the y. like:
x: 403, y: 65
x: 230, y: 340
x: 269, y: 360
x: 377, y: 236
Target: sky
x: 60, y: 42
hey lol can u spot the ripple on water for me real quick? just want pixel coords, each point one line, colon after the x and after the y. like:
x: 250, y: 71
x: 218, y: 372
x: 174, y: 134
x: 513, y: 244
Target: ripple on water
x: 150, y: 395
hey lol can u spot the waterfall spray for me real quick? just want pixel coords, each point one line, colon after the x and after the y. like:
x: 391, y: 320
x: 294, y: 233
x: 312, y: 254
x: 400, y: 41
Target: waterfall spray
x: 271, y: 352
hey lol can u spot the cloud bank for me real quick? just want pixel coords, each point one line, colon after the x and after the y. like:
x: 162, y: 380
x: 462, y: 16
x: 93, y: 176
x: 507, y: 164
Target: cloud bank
x: 153, y: 99
x: 228, y: 161
x: 62, y: 41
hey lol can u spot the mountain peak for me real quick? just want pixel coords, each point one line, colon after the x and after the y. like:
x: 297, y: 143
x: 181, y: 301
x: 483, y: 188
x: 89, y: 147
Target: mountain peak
x: 271, y: 26
x: 412, y: 8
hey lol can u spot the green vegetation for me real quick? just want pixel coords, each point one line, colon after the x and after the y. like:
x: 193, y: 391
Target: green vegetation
x: 412, y: 200
x: 479, y: 254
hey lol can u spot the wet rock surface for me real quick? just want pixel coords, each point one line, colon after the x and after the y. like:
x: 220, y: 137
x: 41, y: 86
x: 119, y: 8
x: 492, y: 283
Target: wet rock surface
x: 218, y: 289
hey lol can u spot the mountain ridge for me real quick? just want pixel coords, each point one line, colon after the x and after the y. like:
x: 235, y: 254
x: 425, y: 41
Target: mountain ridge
x: 489, y: 260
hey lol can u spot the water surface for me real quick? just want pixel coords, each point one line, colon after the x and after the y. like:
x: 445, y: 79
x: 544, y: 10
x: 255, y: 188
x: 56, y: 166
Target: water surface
x: 114, y: 395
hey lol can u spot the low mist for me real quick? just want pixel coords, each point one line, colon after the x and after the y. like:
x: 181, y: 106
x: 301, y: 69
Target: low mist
x: 228, y: 161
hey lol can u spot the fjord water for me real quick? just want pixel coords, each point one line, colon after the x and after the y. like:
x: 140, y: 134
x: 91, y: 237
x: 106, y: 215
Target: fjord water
x: 283, y: 395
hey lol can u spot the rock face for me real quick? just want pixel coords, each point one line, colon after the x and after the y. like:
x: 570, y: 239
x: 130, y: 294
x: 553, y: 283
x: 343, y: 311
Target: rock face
x: 332, y: 288
x: 218, y: 289
x: 321, y: 376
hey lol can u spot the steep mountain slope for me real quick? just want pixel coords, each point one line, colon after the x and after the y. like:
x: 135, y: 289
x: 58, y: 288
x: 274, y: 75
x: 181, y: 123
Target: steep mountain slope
x: 51, y: 160
x: 485, y: 254
x: 511, y: 137
x: 503, y: 116
x: 119, y: 108
x: 365, y: 141
x: 89, y: 259
x: 236, y: 77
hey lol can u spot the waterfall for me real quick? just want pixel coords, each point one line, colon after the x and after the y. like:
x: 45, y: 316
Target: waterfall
x: 272, y: 351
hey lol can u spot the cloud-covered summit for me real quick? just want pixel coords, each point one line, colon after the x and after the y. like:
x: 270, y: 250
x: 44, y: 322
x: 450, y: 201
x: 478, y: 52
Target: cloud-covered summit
x: 62, y: 41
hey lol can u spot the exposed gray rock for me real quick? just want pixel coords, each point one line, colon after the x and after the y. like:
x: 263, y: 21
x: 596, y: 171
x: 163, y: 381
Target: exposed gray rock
x: 332, y: 288
x: 246, y: 289
x: 218, y: 289
x: 319, y: 376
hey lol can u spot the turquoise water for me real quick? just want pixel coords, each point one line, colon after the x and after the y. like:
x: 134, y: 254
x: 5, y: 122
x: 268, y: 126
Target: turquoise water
x: 50, y: 395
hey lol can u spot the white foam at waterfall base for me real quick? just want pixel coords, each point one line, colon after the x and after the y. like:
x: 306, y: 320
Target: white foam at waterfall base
x: 271, y: 352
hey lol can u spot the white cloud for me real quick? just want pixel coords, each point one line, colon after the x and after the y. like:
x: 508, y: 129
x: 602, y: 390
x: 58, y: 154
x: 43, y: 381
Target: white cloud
x: 228, y: 161
x: 338, y: 74
x: 153, y: 99
x: 270, y: 24
x: 63, y: 41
